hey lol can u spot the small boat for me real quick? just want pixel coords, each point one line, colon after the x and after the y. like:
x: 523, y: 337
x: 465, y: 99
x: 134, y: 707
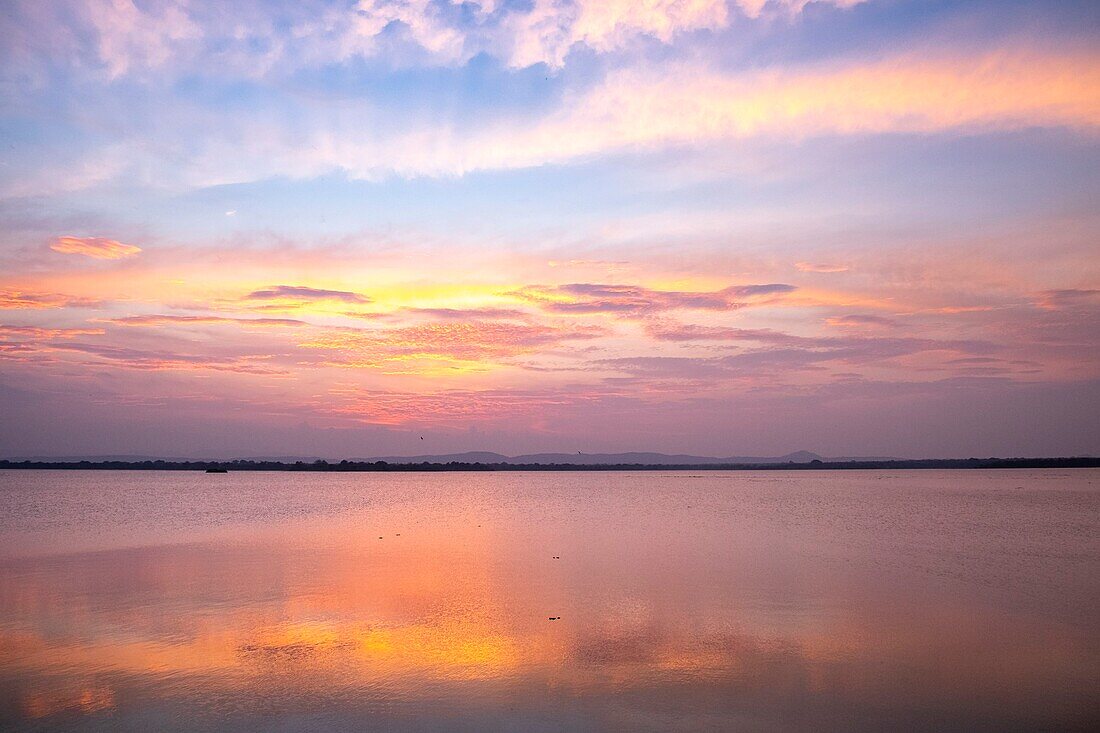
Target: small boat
x: 217, y: 470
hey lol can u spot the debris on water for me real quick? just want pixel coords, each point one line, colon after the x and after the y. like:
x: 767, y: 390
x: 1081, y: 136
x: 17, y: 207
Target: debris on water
x: 557, y: 557
x: 555, y: 618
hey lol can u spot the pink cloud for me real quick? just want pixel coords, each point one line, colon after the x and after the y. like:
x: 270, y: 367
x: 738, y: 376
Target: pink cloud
x: 457, y: 314
x: 164, y: 360
x: 45, y: 334
x: 860, y: 321
x: 1067, y: 298
x: 99, y: 248
x: 466, y: 341
x: 665, y: 331
x: 303, y: 293
x: 636, y: 300
x: 820, y: 267
x: 165, y: 320
x: 22, y: 300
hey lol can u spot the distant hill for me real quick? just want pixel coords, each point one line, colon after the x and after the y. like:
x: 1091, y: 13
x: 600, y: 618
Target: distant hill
x: 602, y: 459
x: 488, y: 457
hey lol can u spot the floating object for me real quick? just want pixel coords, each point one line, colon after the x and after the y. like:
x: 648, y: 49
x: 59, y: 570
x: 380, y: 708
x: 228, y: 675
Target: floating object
x: 217, y: 470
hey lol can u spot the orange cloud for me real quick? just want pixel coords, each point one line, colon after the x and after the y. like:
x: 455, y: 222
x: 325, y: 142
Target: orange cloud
x: 22, y: 300
x: 636, y: 300
x: 167, y: 320
x: 819, y: 267
x: 98, y: 248
x: 469, y: 341
x: 651, y: 108
x: 1068, y: 298
x: 37, y: 333
x: 1010, y: 89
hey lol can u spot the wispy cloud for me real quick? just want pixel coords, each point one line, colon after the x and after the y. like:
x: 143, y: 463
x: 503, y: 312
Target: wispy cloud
x: 648, y: 108
x: 667, y: 331
x: 20, y: 299
x: 860, y: 321
x: 445, y: 408
x: 462, y: 341
x: 303, y: 293
x: 462, y: 314
x: 1068, y: 298
x: 637, y: 107
x: 636, y: 300
x: 46, y: 334
x: 165, y: 320
x: 164, y: 360
x: 99, y: 248
x: 820, y: 267
x: 120, y: 39
x: 652, y: 107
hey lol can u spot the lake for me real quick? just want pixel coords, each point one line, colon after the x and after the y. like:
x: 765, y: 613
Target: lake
x: 625, y: 601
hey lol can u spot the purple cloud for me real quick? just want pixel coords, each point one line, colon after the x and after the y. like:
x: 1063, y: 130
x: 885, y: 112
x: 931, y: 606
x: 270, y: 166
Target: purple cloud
x: 300, y: 292
x: 636, y: 300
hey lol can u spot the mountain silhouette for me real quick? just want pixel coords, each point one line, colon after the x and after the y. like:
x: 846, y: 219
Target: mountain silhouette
x: 600, y: 459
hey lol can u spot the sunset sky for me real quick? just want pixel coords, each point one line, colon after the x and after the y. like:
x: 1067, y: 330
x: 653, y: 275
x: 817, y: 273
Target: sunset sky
x: 350, y: 229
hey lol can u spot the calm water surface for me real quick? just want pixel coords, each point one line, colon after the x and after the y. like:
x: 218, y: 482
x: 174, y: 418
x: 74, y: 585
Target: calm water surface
x: 815, y: 601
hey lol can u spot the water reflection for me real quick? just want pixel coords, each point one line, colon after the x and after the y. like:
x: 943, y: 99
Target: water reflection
x: 671, y: 617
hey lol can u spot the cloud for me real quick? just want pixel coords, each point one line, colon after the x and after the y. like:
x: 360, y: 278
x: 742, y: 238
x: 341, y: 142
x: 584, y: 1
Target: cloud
x: 790, y: 355
x: 552, y: 28
x: 448, y: 408
x: 46, y: 334
x: 609, y: 264
x: 819, y: 267
x: 462, y: 341
x: 1067, y: 298
x: 164, y: 320
x: 543, y: 31
x: 17, y: 299
x: 859, y: 321
x: 665, y: 331
x: 302, y: 293
x: 459, y: 314
x: 132, y: 37
x: 676, y: 104
x: 98, y: 248
x: 639, y: 109
x: 636, y: 300
x: 632, y: 108
x: 114, y: 39
x: 157, y: 360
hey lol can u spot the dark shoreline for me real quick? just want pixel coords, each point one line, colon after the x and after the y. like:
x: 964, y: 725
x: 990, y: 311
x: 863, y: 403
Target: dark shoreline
x: 382, y: 466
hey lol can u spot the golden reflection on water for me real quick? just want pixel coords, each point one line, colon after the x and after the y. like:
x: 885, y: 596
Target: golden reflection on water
x: 446, y: 622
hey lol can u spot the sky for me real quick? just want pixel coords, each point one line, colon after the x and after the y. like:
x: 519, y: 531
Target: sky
x: 743, y: 227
